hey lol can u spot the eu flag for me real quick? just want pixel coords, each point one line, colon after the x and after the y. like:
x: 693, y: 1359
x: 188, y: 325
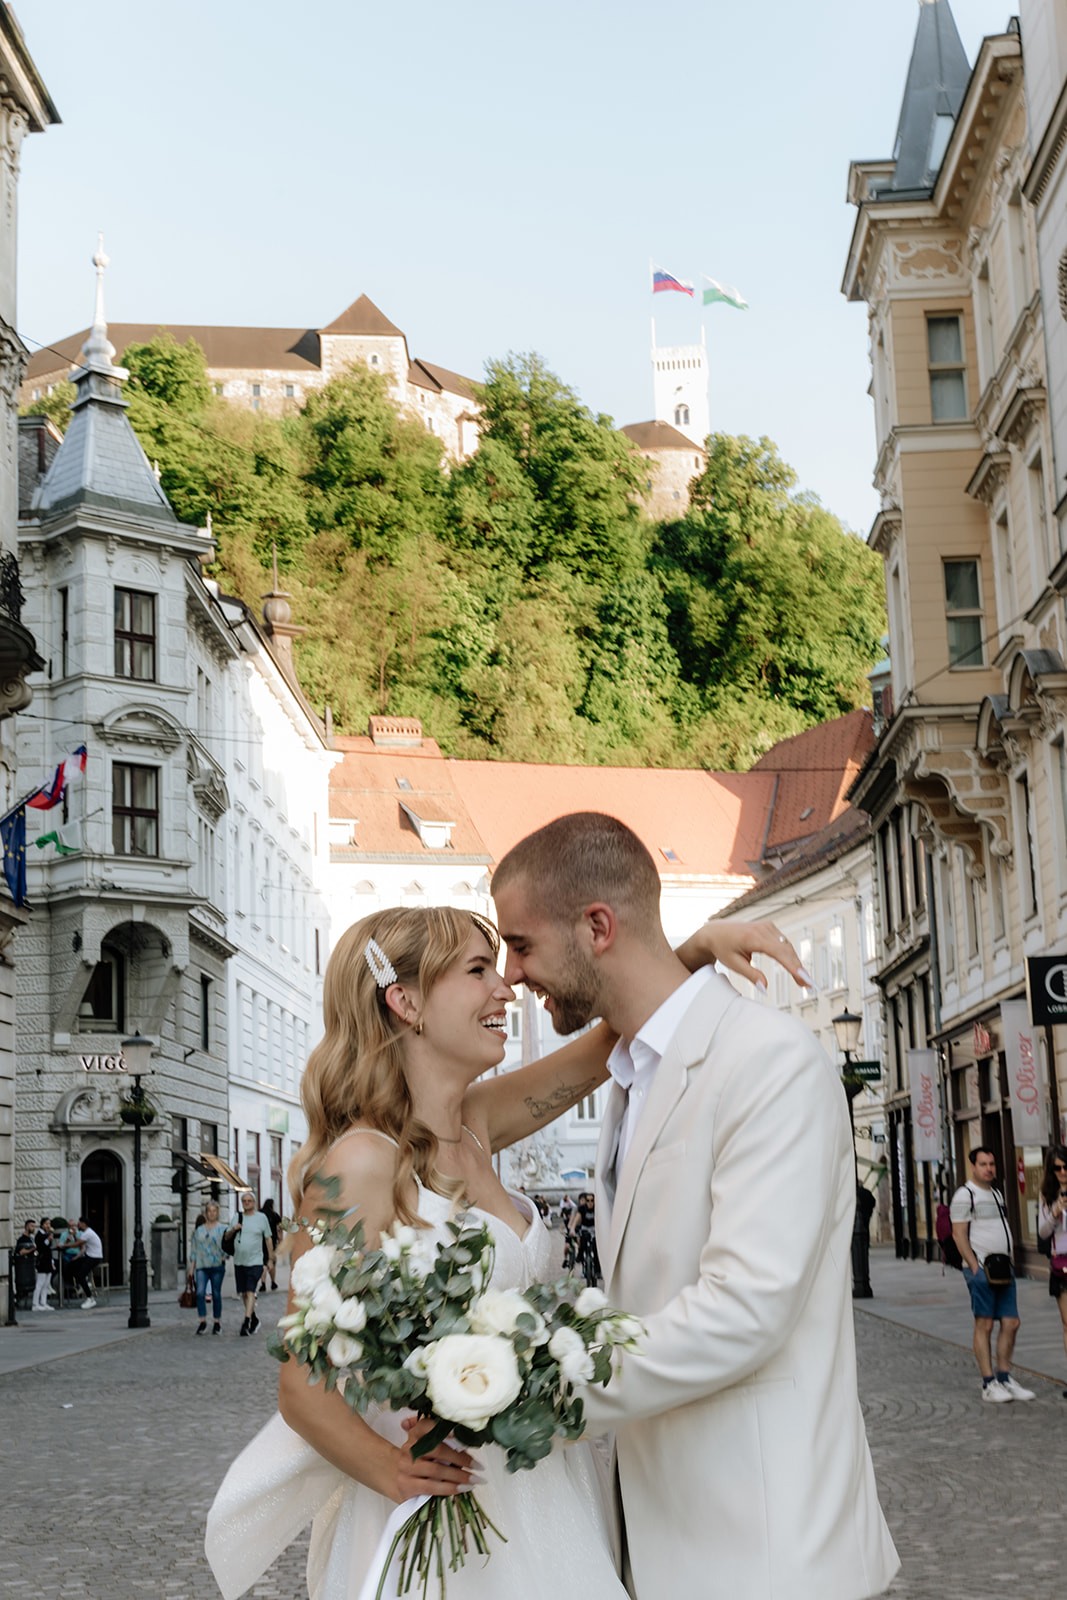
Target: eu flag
x: 13, y: 838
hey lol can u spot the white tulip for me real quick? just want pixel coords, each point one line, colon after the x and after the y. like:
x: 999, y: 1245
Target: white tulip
x: 471, y: 1377
x: 342, y: 1350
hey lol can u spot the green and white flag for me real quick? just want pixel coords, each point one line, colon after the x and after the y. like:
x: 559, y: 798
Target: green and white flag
x: 722, y: 292
x: 56, y: 837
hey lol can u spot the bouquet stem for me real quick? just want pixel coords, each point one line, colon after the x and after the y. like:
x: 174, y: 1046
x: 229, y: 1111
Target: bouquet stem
x: 421, y: 1543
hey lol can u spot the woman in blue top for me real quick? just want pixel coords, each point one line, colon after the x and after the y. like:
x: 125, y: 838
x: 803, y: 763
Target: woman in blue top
x: 208, y: 1262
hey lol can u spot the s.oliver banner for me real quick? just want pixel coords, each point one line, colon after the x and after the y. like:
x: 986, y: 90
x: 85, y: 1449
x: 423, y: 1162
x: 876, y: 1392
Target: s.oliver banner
x: 925, y: 1106
x: 1024, y: 1074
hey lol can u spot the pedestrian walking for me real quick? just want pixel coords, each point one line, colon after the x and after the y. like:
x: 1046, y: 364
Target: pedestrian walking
x: 251, y: 1230
x: 208, y: 1263
x: 25, y: 1254
x: 270, y: 1257
x: 983, y: 1238
x: 43, y: 1265
x: 1052, y: 1225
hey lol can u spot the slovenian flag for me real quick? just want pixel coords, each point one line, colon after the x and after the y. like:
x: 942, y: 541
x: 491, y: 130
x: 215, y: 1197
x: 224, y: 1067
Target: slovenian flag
x: 70, y: 770
x: 663, y: 282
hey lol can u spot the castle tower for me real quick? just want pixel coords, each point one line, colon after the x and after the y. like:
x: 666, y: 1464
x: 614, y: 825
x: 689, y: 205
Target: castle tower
x: 680, y: 387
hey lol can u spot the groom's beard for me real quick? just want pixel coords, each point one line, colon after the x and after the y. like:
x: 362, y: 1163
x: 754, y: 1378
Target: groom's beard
x: 579, y: 1002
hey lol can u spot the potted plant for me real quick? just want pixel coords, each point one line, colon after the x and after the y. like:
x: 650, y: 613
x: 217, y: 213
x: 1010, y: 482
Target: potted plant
x: 136, y: 1110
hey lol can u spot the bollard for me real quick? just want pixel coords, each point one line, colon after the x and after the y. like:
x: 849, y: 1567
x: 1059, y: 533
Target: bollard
x: 861, y: 1245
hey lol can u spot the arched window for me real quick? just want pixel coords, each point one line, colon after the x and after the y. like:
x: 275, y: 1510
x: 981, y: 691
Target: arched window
x: 681, y: 416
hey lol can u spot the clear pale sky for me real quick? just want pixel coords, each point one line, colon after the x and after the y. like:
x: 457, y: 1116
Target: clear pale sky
x: 495, y: 175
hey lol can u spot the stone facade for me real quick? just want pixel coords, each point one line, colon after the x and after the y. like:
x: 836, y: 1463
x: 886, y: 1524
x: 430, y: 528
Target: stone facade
x: 674, y: 461
x: 967, y: 790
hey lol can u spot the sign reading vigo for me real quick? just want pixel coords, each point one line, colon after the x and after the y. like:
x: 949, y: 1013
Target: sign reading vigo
x: 925, y: 1106
x: 98, y: 1063
x: 1024, y: 1074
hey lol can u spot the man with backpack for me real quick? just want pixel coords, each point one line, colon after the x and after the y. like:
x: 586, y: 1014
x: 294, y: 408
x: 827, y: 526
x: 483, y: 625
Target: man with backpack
x: 981, y: 1234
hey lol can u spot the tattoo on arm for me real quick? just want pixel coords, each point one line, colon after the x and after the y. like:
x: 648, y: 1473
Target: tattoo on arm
x: 564, y: 1095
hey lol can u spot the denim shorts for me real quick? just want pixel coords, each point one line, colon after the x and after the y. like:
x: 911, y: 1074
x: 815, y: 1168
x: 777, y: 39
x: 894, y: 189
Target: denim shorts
x: 989, y: 1300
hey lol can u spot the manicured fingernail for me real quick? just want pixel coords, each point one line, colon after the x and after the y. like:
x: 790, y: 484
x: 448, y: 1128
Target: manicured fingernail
x: 476, y: 1480
x: 761, y: 982
x: 805, y: 977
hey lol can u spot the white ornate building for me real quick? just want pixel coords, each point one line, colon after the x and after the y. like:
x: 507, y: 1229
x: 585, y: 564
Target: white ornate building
x: 184, y: 903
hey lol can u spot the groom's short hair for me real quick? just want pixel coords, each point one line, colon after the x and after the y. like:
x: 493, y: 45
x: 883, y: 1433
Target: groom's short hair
x: 581, y: 858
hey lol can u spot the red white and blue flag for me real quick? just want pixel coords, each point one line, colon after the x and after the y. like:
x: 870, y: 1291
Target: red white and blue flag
x: 663, y: 282
x: 69, y: 770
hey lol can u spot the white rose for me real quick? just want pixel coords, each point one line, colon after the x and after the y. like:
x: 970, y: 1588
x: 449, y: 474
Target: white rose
x: 564, y: 1342
x: 422, y: 1255
x: 590, y: 1301
x: 471, y: 1377
x: 342, y: 1350
x: 313, y: 1267
x: 498, y: 1311
x: 404, y: 1236
x: 390, y: 1248
x: 326, y: 1300
x: 416, y: 1361
x: 351, y: 1316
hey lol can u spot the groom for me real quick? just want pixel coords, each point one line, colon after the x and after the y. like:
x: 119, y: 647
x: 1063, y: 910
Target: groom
x: 725, y: 1197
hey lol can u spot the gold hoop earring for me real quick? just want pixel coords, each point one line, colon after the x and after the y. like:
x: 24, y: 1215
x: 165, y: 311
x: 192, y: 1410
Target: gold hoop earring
x: 417, y: 1027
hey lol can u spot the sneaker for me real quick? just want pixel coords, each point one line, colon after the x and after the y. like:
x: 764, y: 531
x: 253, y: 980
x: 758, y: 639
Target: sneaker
x: 216, y: 1327
x: 87, y: 1305
x: 244, y: 1329
x: 201, y: 1327
x: 44, y: 1308
x: 996, y: 1394
x: 253, y: 1324
x: 1016, y: 1390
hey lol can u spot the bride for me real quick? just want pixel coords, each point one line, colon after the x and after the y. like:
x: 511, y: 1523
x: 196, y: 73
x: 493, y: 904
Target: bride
x: 403, y: 1124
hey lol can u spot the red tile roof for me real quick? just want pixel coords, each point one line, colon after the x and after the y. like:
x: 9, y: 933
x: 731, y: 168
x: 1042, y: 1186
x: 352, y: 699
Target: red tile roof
x: 658, y: 436
x: 371, y: 786
x: 712, y: 821
x: 815, y: 771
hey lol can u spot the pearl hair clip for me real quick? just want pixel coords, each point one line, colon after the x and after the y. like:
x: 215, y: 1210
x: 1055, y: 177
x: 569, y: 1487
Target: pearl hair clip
x: 382, y: 970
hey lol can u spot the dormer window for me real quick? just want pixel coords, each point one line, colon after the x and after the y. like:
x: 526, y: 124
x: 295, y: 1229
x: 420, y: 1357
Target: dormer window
x: 430, y: 821
x: 940, y: 134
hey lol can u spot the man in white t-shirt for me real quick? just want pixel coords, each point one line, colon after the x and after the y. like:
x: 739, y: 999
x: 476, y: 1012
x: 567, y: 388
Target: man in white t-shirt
x: 980, y: 1229
x: 91, y: 1255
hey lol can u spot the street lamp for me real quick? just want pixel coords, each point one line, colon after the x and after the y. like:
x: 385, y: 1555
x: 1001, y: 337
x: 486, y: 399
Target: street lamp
x: 847, y: 1027
x: 137, y: 1053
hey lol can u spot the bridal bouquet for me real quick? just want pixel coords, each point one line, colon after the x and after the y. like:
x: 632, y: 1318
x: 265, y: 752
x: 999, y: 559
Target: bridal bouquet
x: 412, y: 1326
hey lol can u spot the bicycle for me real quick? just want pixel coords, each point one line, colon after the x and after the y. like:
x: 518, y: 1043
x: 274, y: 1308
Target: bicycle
x: 588, y: 1256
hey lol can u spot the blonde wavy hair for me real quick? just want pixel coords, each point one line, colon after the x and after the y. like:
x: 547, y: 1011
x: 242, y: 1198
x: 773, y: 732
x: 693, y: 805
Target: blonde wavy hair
x: 356, y: 1072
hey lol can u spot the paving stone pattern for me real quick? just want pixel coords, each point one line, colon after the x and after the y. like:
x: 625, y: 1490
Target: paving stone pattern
x: 111, y: 1459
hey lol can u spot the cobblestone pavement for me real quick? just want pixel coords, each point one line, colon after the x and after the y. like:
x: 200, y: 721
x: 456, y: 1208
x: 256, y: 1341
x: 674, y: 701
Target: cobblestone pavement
x: 111, y: 1459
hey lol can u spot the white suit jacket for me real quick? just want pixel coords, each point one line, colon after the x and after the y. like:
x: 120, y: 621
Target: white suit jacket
x: 743, y: 1462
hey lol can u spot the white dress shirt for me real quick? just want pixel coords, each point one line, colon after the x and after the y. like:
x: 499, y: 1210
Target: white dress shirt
x: 633, y: 1062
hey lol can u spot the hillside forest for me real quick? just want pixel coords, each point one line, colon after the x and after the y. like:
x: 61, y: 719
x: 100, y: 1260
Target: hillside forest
x: 522, y: 603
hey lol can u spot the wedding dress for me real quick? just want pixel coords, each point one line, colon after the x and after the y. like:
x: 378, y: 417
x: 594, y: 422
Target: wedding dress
x: 556, y: 1517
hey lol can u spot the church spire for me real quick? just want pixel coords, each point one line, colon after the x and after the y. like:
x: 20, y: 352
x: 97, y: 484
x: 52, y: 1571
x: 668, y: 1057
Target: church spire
x: 937, y: 81
x: 98, y: 351
x: 100, y: 461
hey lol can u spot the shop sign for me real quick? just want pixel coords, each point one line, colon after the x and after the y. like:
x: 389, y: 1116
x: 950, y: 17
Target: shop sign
x: 1024, y: 1074
x: 925, y: 1106
x: 1046, y: 989
x: 98, y: 1063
